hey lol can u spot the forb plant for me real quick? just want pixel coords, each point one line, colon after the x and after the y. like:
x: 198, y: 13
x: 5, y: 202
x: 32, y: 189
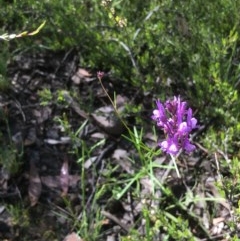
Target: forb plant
x: 177, y: 122
x: 175, y: 119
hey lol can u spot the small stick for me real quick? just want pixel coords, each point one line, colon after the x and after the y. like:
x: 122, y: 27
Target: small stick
x: 115, y: 219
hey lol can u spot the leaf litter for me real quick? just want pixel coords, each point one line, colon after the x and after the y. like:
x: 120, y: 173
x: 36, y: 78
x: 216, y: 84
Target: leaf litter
x: 52, y: 172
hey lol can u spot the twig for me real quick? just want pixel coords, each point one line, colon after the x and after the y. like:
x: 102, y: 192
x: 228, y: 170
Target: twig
x: 115, y: 219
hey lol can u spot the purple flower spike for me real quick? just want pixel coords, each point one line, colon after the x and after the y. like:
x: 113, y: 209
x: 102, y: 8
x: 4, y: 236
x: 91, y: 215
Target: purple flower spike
x: 188, y: 146
x: 177, y: 122
x: 159, y: 114
x: 170, y: 146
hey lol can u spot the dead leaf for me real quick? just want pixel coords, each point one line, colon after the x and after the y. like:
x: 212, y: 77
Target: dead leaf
x: 97, y: 136
x: 82, y: 75
x: 4, y: 177
x: 63, y: 140
x: 31, y: 137
x: 43, y: 114
x: 17, y: 138
x: 218, y: 228
x: 72, y: 237
x: 54, y: 181
x: 51, y: 181
x: 35, y: 185
x: 147, y: 186
x: 73, y: 180
x: 217, y: 220
x: 111, y: 238
x: 64, y: 177
x: 74, y: 105
x: 106, y: 118
x: 88, y: 163
x: 122, y: 158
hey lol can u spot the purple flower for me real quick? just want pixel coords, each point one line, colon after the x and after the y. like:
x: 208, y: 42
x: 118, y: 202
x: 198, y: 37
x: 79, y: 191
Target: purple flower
x: 159, y: 114
x: 170, y: 145
x: 177, y: 122
x: 100, y: 74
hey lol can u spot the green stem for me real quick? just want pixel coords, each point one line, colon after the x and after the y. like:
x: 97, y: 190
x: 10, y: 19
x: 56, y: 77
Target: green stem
x: 114, y: 106
x: 175, y: 165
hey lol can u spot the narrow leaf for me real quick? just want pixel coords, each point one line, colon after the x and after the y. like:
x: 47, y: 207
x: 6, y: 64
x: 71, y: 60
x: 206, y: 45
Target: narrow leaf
x: 38, y: 29
x: 25, y: 33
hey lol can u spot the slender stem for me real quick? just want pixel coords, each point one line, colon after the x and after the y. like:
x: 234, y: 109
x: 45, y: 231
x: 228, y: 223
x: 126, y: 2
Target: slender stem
x: 114, y: 106
x: 175, y: 165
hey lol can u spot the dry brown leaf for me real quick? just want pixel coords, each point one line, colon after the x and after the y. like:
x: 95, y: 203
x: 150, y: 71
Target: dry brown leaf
x: 73, y: 180
x: 80, y: 75
x: 35, y: 185
x: 217, y: 220
x: 54, y: 181
x: 74, y: 105
x: 51, y: 181
x: 111, y: 238
x: 72, y: 237
x: 63, y: 140
x: 120, y: 154
x: 31, y: 137
x: 18, y: 138
x: 83, y: 73
x: 147, y: 186
x: 4, y: 177
x: 122, y: 158
x: 97, y: 136
x: 88, y: 163
x: 106, y: 118
x: 43, y: 114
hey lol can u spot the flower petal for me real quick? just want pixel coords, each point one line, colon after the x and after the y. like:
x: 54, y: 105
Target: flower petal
x: 170, y: 146
x: 188, y: 146
x: 176, y: 120
x: 183, y: 128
